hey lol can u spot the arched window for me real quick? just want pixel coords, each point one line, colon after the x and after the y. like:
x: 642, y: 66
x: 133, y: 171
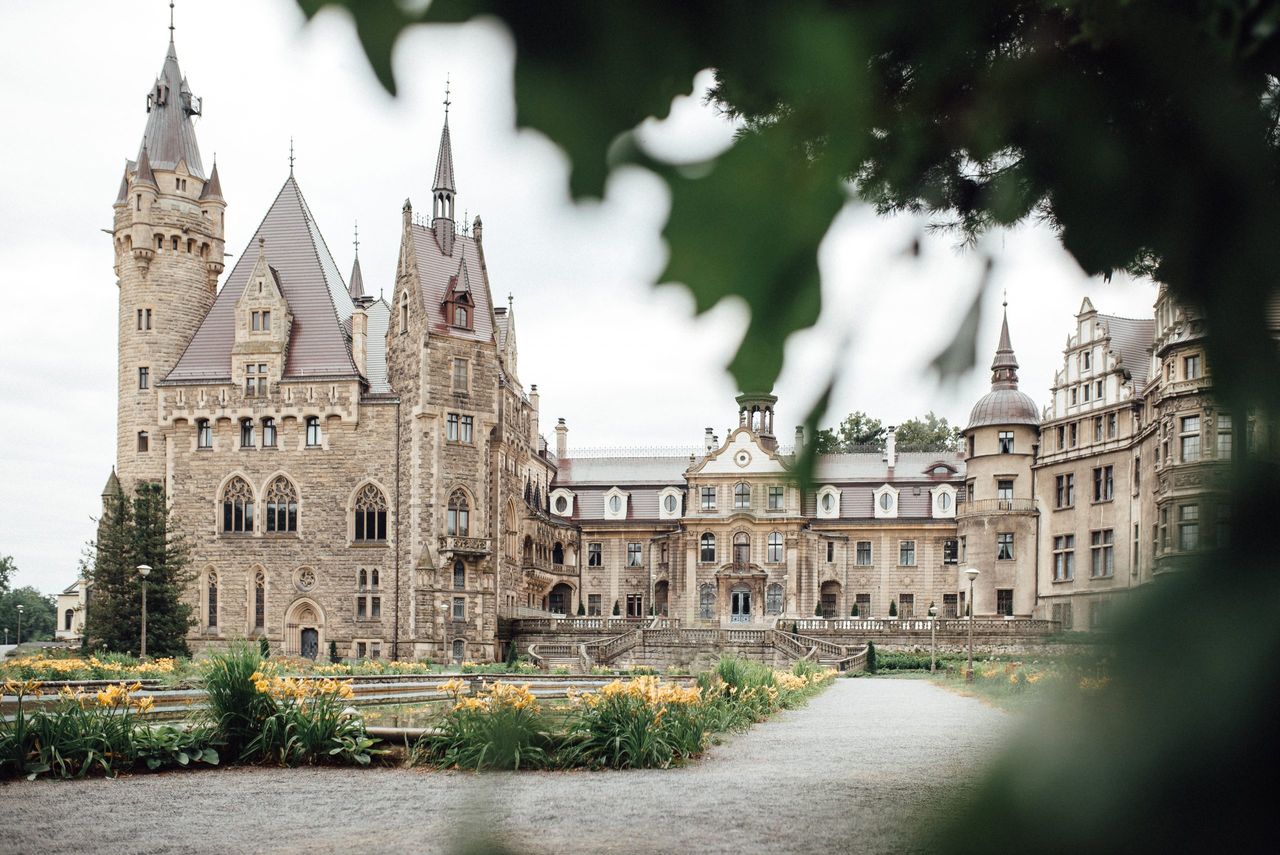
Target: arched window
x: 237, y: 507
x: 362, y: 580
x: 459, y: 650
x: 212, y: 621
x: 282, y: 506
x: 707, y: 550
x: 460, y: 316
x: 459, y: 575
x: 557, y: 554
x: 742, y: 548
x: 741, y: 496
x: 259, y: 600
x: 373, y: 579
x: 459, y: 521
x: 707, y: 602
x: 371, y: 514
x: 773, y: 599
x: 204, y: 434
x: 67, y: 617
x: 775, y: 547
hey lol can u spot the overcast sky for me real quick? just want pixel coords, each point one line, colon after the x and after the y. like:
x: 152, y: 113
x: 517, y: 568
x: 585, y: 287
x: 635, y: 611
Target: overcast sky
x: 626, y: 364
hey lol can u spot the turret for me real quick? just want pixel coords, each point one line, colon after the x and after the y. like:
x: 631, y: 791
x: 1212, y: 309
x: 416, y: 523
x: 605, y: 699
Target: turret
x: 755, y: 411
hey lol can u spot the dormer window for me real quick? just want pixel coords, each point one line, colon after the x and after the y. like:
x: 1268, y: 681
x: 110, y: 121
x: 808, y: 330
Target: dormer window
x: 262, y: 321
x: 461, y: 317
x: 255, y: 380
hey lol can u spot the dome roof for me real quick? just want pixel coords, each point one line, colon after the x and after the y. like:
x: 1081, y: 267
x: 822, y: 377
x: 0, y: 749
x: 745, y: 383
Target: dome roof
x: 1004, y: 407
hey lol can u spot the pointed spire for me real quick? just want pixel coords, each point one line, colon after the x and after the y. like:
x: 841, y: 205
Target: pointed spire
x: 170, y: 136
x: 355, y: 286
x: 145, y: 172
x: 113, y: 484
x: 1004, y: 367
x: 444, y: 163
x: 212, y: 187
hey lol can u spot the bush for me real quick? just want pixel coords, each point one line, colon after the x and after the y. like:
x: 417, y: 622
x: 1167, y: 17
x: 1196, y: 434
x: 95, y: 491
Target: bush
x: 893, y: 608
x: 871, y: 657
x: 310, y: 723
x: 502, y: 728
x: 853, y: 612
x: 334, y: 658
x: 235, y: 708
x: 640, y: 724
x: 617, y: 609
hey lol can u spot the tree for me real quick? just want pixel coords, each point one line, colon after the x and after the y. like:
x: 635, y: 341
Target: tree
x: 7, y: 569
x: 930, y: 433
x: 132, y: 531
x: 39, y: 616
x: 617, y: 608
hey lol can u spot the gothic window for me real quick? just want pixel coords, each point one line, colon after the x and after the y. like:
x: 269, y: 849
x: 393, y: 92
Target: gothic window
x: 707, y: 550
x: 459, y: 516
x: 259, y: 600
x: 773, y: 599
x: 282, y: 506
x: 371, y: 514
x: 362, y: 580
x: 741, y: 496
x: 313, y: 431
x: 775, y: 547
x: 707, y: 602
x: 237, y: 507
x: 212, y: 616
x: 268, y: 432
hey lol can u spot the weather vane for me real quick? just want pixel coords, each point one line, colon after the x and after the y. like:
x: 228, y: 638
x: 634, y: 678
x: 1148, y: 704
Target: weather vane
x: 356, y: 242
x: 447, y: 102
x: 290, y: 155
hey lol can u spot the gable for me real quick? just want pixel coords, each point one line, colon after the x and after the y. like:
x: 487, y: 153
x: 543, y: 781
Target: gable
x: 741, y: 454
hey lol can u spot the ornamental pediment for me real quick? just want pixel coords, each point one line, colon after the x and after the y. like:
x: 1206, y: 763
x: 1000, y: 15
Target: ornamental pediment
x: 741, y: 454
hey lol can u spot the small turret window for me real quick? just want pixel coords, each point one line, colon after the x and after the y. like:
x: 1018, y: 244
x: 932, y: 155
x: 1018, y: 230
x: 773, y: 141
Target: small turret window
x: 461, y: 316
x: 1006, y: 442
x: 174, y: 243
x: 144, y: 442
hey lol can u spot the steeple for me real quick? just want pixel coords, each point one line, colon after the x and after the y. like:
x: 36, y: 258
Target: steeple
x: 443, y: 188
x: 170, y: 136
x: 213, y: 187
x: 355, y: 285
x: 1004, y: 368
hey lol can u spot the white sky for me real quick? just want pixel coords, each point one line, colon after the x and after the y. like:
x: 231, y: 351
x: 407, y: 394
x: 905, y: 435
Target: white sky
x: 625, y: 364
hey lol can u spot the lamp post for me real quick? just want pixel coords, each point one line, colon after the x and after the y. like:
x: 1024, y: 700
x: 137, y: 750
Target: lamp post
x: 972, y: 573
x: 19, y: 623
x: 143, y: 570
x: 933, y: 638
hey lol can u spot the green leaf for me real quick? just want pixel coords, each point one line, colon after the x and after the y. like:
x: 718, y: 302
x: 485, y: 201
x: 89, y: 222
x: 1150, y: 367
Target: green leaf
x: 183, y: 758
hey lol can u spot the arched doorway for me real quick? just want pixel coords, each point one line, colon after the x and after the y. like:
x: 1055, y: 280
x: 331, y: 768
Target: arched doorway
x: 560, y: 599
x: 829, y: 598
x: 304, y: 629
x: 740, y: 604
x: 660, y: 591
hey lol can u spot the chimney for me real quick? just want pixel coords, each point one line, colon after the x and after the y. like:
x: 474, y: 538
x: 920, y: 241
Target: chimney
x: 562, y: 440
x: 891, y: 446
x: 709, y: 441
x: 799, y: 439
x: 533, y: 422
x: 359, y: 339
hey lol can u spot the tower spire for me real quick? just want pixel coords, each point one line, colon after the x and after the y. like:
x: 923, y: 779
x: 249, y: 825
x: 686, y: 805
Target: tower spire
x: 1004, y: 367
x: 443, y: 189
x: 171, y: 21
x: 355, y: 285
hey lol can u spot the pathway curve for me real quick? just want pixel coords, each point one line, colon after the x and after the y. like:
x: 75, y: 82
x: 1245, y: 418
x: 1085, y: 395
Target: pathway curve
x: 835, y: 776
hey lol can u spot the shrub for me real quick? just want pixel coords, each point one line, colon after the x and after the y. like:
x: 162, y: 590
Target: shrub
x: 582, y: 609
x: 334, y: 658
x: 853, y: 612
x: 617, y: 609
x: 817, y: 609
x: 640, y: 724
x: 893, y: 608
x: 871, y: 657
x: 502, y: 728
x: 234, y: 707
x: 310, y: 723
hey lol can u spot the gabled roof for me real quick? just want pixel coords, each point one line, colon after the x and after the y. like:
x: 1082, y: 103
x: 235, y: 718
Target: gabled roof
x: 170, y: 136
x: 309, y: 278
x: 376, y: 346
x: 436, y: 271
x: 1131, y: 340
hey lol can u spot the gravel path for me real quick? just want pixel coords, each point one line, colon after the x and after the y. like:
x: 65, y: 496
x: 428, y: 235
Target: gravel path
x: 834, y: 775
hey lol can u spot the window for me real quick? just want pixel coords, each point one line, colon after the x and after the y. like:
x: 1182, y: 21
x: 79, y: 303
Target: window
x: 831, y: 549
x: 1086, y: 358
x: 211, y: 618
x: 1004, y: 546
x: 459, y: 575
x: 1062, y: 614
x: 1065, y: 491
x: 773, y: 599
x: 829, y: 502
x: 1164, y: 529
x: 906, y: 605
x: 1113, y: 425
x: 371, y: 514
x: 461, y: 375
x: 950, y: 551
x: 593, y: 605
x: 1191, y: 367
x: 1097, y: 429
x: 1099, y: 614
x: 144, y: 441
x: 1085, y: 392
x: 459, y: 608
x: 144, y: 320
x: 174, y: 244
x: 775, y: 498
x: 593, y: 555
x: 1189, y: 438
x: 741, y: 496
x: 635, y: 605
x: 972, y: 445
x: 774, y: 549
x: 268, y: 432
x: 742, y: 549
x: 1102, y: 557
x: 460, y: 316
x: 707, y: 602
x: 944, y: 502
x: 1062, y: 437
x: 1188, y: 527
x: 459, y: 650
x: 1075, y: 396
x: 451, y: 427
x: 246, y: 433
x: 144, y: 378
x: 1137, y: 474
x: 1004, y: 601
x: 313, y: 431
x: 259, y: 600
x: 886, y: 501
x: 458, y: 523
x: 282, y: 506
x: 204, y: 434
x: 404, y: 313
x: 949, y: 606
x: 707, y: 549
x: 1004, y: 493
x: 863, y: 602
x: 634, y: 555
x: 1097, y: 390
x: 1103, y: 484
x: 615, y: 504
x: 708, y: 498
x: 907, y: 553
x: 1224, y: 437
x: 67, y: 617
x: 863, y: 557
x: 237, y: 507
x: 1064, y: 558
x: 262, y: 321
x: 255, y: 380
x: 464, y: 429
x: 1006, y: 442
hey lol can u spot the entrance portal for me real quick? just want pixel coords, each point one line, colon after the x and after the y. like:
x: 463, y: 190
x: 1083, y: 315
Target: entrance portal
x: 740, y: 606
x: 310, y: 643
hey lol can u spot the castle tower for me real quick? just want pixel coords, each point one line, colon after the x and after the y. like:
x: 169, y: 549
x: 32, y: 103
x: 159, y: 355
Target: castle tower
x: 996, y: 521
x: 168, y: 236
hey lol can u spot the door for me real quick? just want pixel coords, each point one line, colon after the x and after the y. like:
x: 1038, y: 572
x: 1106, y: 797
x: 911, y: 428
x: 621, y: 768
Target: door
x: 740, y: 607
x: 310, y: 643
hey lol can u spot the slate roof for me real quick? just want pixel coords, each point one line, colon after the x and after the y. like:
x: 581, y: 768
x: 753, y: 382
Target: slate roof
x: 444, y: 162
x: 1131, y: 340
x: 621, y: 471
x: 317, y: 297
x: 376, y: 346
x: 436, y: 270
x: 502, y: 321
x: 170, y: 137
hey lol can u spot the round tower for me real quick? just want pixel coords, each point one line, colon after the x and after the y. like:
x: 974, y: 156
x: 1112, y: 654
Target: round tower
x: 168, y: 236
x: 996, y: 521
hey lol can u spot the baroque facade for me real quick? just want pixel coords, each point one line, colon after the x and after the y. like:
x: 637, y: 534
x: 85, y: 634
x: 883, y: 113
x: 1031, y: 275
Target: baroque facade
x: 370, y: 475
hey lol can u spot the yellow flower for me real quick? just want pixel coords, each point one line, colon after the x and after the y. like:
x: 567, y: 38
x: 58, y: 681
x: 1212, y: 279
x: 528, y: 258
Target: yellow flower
x: 30, y: 688
x: 144, y: 705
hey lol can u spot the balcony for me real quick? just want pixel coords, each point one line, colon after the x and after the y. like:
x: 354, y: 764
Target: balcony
x: 994, y: 506
x: 465, y: 545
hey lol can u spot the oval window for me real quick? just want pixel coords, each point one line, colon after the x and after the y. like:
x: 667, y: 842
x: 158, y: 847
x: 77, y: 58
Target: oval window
x: 562, y: 504
x: 670, y: 503
x: 886, y: 501
x: 615, y: 503
x: 944, y: 501
x: 828, y: 501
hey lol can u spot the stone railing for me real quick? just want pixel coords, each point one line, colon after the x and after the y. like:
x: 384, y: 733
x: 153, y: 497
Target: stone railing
x: 572, y: 625
x: 992, y: 506
x: 465, y: 545
x: 945, y: 626
x: 601, y: 652
x: 825, y: 649
x: 540, y: 653
x: 789, y: 645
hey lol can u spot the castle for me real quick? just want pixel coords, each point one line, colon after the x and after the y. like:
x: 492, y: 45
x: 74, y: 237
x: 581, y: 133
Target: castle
x: 373, y: 474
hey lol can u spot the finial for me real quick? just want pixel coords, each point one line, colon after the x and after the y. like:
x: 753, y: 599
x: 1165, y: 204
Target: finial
x: 170, y: 20
x: 291, y: 156
x: 1006, y: 298
x: 447, y: 102
x: 356, y: 242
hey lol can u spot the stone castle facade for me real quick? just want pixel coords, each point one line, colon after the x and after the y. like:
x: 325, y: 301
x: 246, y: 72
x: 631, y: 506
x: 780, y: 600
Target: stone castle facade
x: 372, y: 473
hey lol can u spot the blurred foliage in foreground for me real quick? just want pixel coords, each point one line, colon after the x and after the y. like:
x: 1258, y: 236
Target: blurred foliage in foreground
x: 1144, y: 131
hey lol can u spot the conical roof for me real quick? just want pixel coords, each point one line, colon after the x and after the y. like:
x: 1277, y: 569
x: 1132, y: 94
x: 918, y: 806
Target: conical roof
x: 444, y: 162
x: 113, y: 484
x: 1005, y: 404
x: 356, y: 286
x: 144, y: 166
x: 170, y: 135
x: 213, y: 187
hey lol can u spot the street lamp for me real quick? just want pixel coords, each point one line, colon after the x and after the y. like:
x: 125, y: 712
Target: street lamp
x: 143, y: 570
x: 933, y: 638
x: 19, y: 623
x: 972, y: 573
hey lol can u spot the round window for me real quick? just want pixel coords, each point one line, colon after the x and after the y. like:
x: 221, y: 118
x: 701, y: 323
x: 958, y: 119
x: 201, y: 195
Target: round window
x: 615, y: 503
x: 670, y: 503
x: 828, y: 501
x: 886, y: 501
x: 562, y: 504
x: 944, y: 502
